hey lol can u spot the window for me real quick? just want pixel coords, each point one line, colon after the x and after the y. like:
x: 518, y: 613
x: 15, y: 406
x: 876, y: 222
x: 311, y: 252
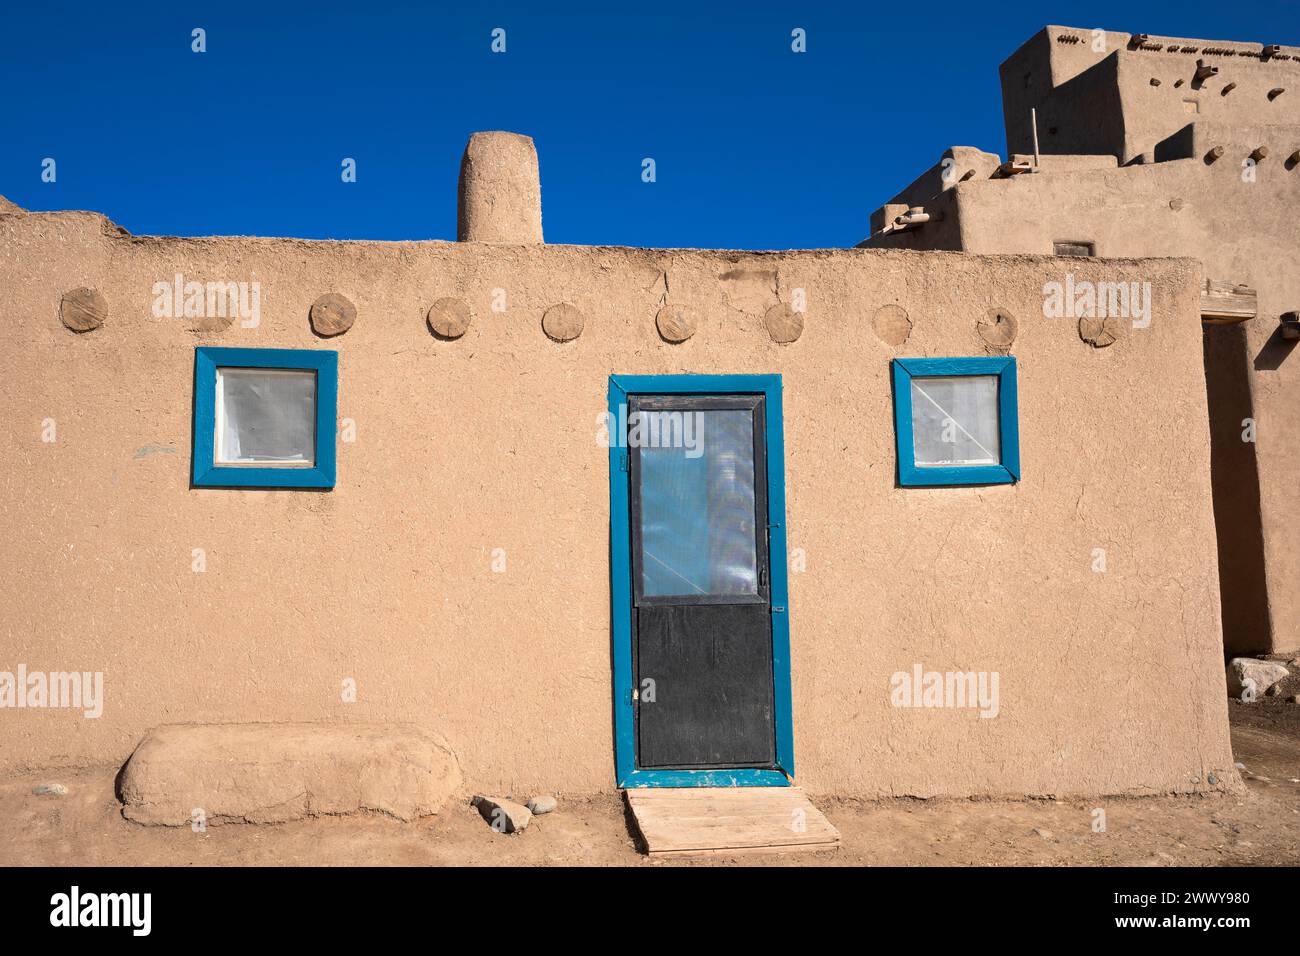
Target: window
x: 956, y: 421
x: 1073, y: 247
x: 698, y: 498
x: 264, y: 418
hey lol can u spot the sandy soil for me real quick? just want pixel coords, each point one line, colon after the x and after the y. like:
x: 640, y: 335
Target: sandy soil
x: 1262, y: 826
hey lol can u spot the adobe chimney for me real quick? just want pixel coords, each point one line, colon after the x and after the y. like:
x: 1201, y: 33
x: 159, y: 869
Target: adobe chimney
x: 500, y: 190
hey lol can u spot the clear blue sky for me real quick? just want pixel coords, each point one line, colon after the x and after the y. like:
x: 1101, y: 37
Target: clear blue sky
x: 756, y: 147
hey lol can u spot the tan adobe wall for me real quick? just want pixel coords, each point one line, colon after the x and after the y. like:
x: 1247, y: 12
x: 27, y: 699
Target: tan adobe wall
x: 1126, y: 97
x: 1110, y: 682
x: 956, y: 165
x: 1083, y: 114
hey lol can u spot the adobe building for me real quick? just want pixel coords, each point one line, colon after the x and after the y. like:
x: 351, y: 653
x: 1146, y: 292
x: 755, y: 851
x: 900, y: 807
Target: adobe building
x: 1139, y: 145
x: 599, y: 517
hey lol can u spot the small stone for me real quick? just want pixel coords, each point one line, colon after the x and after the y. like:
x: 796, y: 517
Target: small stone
x: 83, y: 310
x: 1212, y: 780
x: 542, y: 804
x: 784, y: 324
x: 449, y: 318
x: 1240, y: 766
x: 677, y: 323
x: 1044, y: 834
x: 50, y: 790
x: 502, y: 815
x: 563, y: 322
x: 332, y: 314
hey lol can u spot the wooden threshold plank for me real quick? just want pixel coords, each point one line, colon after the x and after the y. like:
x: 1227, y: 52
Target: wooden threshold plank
x: 745, y: 850
x: 695, y: 821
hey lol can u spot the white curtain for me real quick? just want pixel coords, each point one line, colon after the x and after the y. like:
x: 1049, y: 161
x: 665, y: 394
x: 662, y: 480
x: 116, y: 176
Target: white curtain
x: 955, y: 420
x: 267, y: 415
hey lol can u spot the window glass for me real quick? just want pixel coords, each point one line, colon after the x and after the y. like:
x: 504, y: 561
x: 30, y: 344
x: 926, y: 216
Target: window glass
x: 955, y: 420
x: 697, y: 506
x: 1070, y: 248
x: 266, y: 416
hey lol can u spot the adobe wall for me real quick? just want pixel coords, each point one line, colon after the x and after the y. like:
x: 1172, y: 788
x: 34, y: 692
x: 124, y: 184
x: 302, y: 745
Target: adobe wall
x: 1077, y: 113
x: 956, y: 165
x: 1110, y: 682
x: 1125, y: 97
x: 1243, y: 231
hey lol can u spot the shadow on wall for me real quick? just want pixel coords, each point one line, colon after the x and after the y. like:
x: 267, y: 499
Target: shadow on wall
x: 1234, y: 477
x: 1275, y: 350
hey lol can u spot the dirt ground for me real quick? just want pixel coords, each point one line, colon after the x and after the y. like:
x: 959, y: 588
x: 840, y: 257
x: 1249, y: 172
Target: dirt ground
x: 1262, y: 826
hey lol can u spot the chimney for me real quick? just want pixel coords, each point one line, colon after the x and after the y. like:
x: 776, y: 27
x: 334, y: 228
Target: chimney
x: 500, y: 190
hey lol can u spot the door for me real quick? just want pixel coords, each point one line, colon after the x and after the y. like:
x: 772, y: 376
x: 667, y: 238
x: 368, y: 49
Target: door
x: 702, y: 651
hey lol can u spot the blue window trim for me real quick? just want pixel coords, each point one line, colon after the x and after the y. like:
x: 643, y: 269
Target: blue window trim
x: 1008, y: 420
x: 207, y: 360
x: 627, y: 775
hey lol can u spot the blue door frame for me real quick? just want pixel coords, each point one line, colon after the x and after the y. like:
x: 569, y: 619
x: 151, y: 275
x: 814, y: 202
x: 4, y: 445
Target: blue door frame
x: 620, y: 387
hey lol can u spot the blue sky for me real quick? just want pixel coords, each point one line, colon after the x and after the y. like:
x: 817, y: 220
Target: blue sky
x: 755, y: 147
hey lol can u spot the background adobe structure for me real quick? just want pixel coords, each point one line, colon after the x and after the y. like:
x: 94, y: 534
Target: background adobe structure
x: 1163, y: 146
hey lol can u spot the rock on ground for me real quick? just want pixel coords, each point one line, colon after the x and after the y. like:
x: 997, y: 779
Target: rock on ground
x: 542, y: 804
x: 504, y: 816
x: 271, y: 773
x: 1264, y: 673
